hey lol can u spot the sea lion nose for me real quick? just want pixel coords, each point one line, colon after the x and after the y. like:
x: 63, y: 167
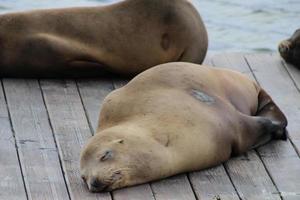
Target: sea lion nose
x: 96, y: 185
x: 284, y: 47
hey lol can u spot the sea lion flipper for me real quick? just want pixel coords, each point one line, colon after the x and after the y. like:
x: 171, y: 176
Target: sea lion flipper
x: 258, y: 130
x: 269, y: 130
x: 271, y: 120
x: 268, y: 109
x: 268, y: 123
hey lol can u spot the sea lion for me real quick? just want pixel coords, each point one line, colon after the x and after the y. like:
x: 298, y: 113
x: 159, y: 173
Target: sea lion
x: 289, y: 49
x: 176, y: 118
x: 127, y: 37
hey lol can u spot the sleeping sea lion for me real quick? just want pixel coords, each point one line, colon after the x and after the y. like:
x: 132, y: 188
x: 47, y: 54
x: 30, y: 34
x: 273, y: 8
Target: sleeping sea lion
x: 177, y: 118
x: 127, y: 38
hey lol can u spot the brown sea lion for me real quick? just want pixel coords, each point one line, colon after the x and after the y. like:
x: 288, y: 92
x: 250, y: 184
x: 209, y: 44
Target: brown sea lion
x: 127, y: 37
x: 289, y: 49
x: 176, y: 118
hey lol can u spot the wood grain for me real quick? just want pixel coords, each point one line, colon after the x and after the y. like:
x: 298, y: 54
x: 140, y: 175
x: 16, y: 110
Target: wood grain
x: 38, y: 154
x: 213, y: 184
x: 71, y: 130
x: 11, y: 180
x: 280, y: 157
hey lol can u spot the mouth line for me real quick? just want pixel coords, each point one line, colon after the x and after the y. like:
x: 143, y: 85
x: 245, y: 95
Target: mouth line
x: 93, y: 189
x: 104, y: 189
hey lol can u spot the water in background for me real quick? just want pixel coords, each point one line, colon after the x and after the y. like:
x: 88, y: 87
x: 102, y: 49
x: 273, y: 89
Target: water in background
x: 233, y: 25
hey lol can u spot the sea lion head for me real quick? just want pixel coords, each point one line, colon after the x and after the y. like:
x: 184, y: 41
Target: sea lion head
x: 290, y: 49
x: 110, y: 162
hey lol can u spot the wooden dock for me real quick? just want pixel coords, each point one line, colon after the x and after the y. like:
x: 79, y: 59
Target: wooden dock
x: 44, y: 124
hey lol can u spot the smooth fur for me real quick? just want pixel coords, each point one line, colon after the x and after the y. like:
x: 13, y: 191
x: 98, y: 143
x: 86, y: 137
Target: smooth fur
x: 126, y: 38
x: 176, y: 118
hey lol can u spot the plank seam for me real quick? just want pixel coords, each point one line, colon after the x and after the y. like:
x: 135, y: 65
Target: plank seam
x: 269, y: 174
x: 84, y: 108
x: 87, y: 118
x: 15, y: 140
x: 152, y: 191
x: 298, y: 89
x: 55, y: 140
x: 258, y: 154
x: 192, y: 186
x: 288, y: 136
x: 236, y: 190
x: 286, y: 68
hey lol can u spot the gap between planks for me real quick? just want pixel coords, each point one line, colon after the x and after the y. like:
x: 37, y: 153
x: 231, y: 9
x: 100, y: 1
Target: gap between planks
x: 279, y: 158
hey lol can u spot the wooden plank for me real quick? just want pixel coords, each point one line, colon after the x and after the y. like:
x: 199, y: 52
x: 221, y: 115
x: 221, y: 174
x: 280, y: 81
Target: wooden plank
x: 71, y: 130
x: 177, y: 187
x: 212, y: 183
x: 92, y: 94
x: 139, y: 192
x: 280, y: 157
x: 294, y: 72
x: 247, y: 172
x: 38, y: 154
x: 11, y: 181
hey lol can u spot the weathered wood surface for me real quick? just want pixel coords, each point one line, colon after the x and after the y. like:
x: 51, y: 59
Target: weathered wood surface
x: 71, y: 129
x: 38, y: 154
x: 281, y: 157
x: 11, y: 180
x: 44, y: 125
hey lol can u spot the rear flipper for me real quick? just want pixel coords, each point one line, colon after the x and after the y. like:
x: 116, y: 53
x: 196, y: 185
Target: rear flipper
x: 270, y: 130
x: 271, y: 119
x: 268, y: 123
x: 268, y: 109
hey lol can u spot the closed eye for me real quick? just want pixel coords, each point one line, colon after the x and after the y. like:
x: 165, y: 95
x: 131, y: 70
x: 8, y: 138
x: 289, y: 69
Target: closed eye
x: 108, y: 154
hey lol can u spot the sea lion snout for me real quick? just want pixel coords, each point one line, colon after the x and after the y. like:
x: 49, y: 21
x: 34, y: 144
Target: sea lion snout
x: 110, y: 160
x: 284, y: 47
x: 96, y: 185
x: 105, y: 183
x: 289, y: 49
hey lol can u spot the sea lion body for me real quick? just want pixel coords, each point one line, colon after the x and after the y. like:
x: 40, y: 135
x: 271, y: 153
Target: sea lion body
x: 126, y: 38
x: 289, y: 49
x: 177, y: 118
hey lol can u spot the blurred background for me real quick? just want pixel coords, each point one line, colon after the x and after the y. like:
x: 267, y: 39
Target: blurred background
x: 233, y: 25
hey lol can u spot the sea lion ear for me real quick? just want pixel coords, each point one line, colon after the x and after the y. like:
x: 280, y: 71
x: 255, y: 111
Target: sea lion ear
x: 120, y: 141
